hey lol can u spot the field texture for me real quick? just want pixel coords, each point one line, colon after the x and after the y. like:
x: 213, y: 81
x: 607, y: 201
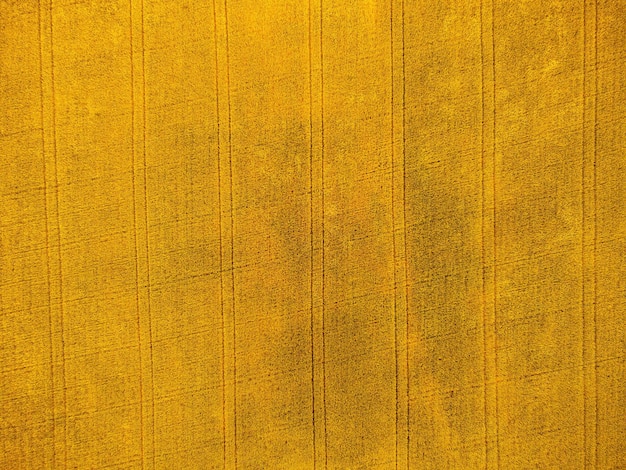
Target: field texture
x: 312, y: 234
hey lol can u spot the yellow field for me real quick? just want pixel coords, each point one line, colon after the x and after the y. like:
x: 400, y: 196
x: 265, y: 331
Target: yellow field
x: 310, y: 234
